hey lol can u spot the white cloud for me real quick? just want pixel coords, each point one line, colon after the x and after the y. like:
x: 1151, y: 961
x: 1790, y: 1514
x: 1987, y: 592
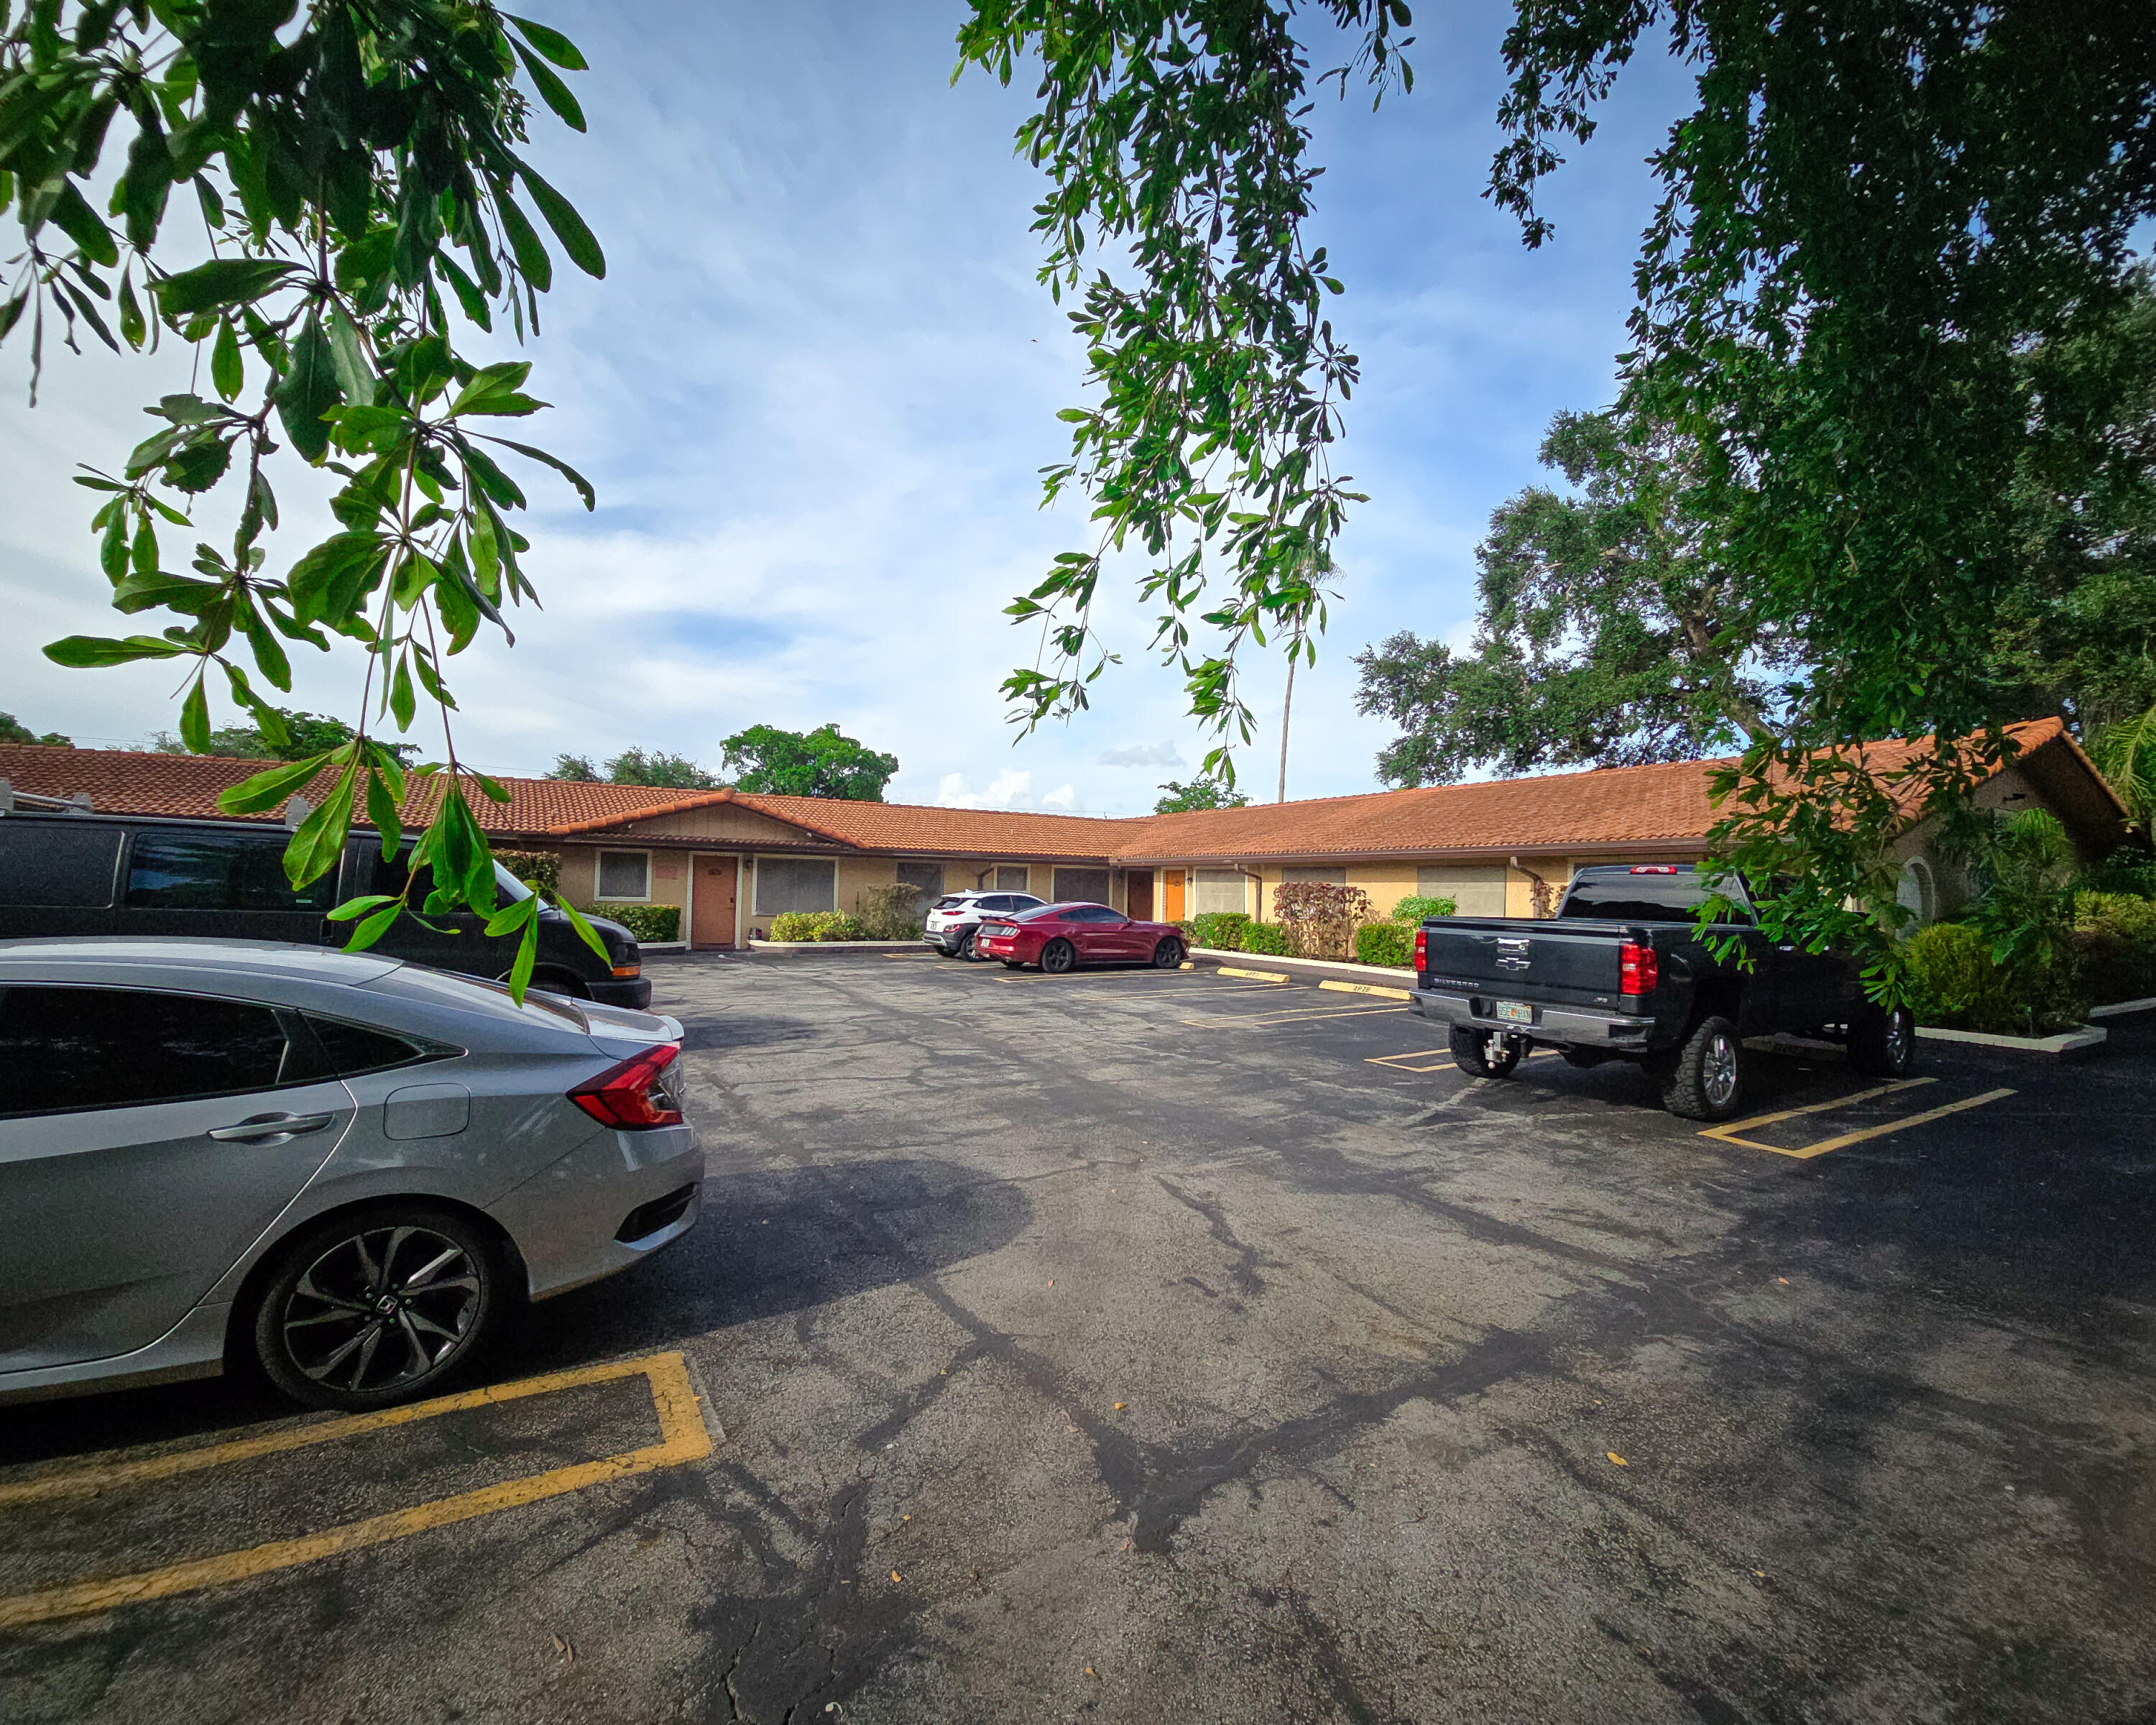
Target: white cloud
x: 1011, y: 788
x: 1143, y: 754
x: 1064, y: 797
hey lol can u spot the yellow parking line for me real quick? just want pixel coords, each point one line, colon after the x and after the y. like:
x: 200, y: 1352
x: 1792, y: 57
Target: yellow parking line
x: 683, y: 1436
x: 1367, y: 988
x: 1420, y: 1054
x: 1255, y: 976
x: 1728, y: 1133
x: 1267, y: 1021
x: 1895, y: 1126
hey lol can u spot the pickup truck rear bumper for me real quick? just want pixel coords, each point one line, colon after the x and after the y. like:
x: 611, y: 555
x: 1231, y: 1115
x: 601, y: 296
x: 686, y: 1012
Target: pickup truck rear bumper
x: 1557, y: 1025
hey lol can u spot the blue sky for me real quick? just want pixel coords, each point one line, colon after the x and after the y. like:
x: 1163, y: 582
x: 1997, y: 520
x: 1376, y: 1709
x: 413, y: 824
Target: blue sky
x: 817, y: 384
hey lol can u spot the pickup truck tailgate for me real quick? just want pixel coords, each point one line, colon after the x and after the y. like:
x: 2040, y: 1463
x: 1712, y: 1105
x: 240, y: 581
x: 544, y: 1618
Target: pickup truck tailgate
x: 1569, y: 963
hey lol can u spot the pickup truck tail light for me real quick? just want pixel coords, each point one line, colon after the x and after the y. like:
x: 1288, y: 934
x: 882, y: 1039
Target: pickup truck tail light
x: 1638, y: 969
x: 1422, y: 949
x: 635, y: 1095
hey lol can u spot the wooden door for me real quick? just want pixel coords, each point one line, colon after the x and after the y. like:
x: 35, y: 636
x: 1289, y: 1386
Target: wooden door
x: 711, y: 900
x: 1137, y: 895
x: 1171, y: 892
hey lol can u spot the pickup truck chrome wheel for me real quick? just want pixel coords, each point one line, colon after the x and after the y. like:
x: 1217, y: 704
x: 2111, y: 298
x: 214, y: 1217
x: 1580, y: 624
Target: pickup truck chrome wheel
x: 1718, y: 1071
x: 377, y: 1307
x: 1883, y: 1045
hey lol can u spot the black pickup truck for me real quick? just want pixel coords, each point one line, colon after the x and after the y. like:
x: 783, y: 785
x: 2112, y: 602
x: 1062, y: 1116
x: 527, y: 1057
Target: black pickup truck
x: 1621, y: 973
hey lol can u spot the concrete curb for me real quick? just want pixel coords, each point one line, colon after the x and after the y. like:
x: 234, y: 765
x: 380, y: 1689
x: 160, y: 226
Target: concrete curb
x: 783, y: 948
x: 2078, y: 1043
x: 2124, y: 1008
x: 1312, y: 966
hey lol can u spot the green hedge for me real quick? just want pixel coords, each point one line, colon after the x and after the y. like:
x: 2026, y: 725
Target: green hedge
x: 1957, y: 984
x: 2115, y: 942
x: 1391, y: 944
x: 538, y: 869
x: 817, y: 926
x: 1412, y: 910
x: 1269, y: 938
x: 646, y: 922
x: 1223, y: 929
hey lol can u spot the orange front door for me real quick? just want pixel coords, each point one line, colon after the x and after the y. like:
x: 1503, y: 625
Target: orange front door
x: 1171, y: 892
x: 711, y: 905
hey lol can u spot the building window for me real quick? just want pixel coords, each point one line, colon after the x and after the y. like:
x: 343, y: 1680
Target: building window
x: 1915, y: 893
x: 1221, y: 889
x: 795, y: 883
x: 1324, y: 877
x: 1089, y: 884
x: 925, y: 878
x: 1011, y: 879
x: 624, y: 874
x: 1476, y: 891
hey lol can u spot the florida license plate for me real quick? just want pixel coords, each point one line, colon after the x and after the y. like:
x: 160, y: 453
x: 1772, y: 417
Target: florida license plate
x: 1513, y: 1012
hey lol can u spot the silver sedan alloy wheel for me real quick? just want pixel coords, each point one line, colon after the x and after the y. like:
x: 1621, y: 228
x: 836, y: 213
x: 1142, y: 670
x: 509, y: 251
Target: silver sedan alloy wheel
x: 381, y: 1308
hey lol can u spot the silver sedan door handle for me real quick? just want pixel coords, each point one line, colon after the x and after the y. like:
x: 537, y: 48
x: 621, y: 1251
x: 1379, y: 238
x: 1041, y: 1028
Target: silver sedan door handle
x: 270, y: 1126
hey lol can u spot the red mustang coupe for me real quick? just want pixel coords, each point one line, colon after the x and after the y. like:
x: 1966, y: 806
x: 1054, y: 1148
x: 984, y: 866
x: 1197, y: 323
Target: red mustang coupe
x: 1061, y: 938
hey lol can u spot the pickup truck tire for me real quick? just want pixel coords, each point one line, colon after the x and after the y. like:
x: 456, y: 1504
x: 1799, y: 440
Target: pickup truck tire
x: 1707, y: 1081
x: 1883, y: 1043
x: 1484, y: 1053
x: 1586, y: 1058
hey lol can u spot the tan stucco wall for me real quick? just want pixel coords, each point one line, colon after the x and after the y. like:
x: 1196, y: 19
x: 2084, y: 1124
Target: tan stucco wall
x: 724, y: 822
x: 580, y: 866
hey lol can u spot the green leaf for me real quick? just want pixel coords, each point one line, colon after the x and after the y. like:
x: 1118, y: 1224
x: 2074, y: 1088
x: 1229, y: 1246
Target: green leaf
x: 577, y: 240
x: 226, y: 371
x: 513, y: 917
x: 328, y: 582
x: 490, y: 384
x: 551, y: 91
x: 556, y: 47
x: 314, y: 850
x: 382, y: 809
x: 524, y: 241
x: 194, y: 717
x: 352, y: 907
x: 583, y: 484
x: 82, y: 652
x: 220, y: 283
x: 401, y: 701
x: 134, y: 327
x: 309, y: 389
x: 371, y: 930
x: 268, y: 654
x: 355, y: 375
x: 528, y: 954
x: 589, y: 935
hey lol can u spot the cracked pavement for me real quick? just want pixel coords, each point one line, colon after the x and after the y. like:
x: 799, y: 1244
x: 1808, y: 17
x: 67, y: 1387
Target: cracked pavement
x: 1067, y: 1359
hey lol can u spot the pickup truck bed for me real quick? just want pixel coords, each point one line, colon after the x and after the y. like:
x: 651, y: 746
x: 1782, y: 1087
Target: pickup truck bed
x: 1642, y: 987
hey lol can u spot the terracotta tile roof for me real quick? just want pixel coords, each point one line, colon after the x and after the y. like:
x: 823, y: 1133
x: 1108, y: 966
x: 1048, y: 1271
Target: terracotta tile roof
x: 1623, y: 806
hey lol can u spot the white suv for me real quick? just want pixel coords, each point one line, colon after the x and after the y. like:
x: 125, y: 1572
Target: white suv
x: 952, y: 918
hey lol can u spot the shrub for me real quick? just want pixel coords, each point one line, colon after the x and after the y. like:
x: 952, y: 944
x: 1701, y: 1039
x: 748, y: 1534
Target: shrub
x: 1413, y: 909
x: 1269, y: 938
x: 1223, y: 929
x: 1387, y: 943
x: 890, y: 913
x: 1320, y: 917
x: 2115, y: 942
x: 539, y: 869
x: 2125, y: 870
x: 646, y: 922
x: 817, y: 925
x: 1959, y: 984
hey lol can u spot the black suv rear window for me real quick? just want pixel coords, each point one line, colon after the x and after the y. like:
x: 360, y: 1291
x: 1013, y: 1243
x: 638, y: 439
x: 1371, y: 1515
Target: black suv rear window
x: 217, y: 869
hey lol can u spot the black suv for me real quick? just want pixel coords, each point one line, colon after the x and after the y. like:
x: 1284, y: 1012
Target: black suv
x: 79, y: 873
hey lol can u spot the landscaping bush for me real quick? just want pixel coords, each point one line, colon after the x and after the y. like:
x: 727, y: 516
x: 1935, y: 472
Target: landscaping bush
x: 1959, y: 984
x: 1412, y: 909
x: 817, y: 925
x: 2115, y: 944
x: 890, y: 913
x: 1223, y: 929
x: 1388, y: 943
x: 539, y: 869
x: 1320, y: 917
x: 646, y: 922
x: 2126, y: 870
x: 1266, y: 937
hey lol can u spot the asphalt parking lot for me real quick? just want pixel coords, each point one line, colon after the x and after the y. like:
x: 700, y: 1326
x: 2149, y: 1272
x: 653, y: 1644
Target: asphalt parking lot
x: 1183, y: 1347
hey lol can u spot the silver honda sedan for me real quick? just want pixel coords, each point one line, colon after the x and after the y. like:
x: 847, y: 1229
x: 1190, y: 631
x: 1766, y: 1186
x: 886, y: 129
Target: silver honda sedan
x: 344, y: 1167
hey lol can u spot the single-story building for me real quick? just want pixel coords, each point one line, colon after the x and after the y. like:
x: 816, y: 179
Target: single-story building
x: 733, y: 860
